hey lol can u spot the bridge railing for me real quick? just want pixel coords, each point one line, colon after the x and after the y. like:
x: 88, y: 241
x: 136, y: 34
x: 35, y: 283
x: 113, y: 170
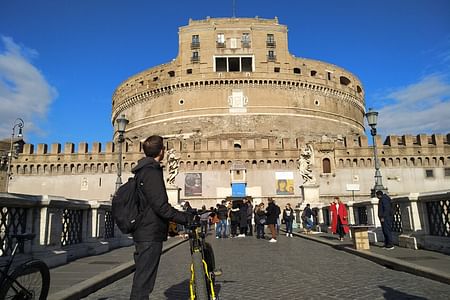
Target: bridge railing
x: 421, y: 220
x: 65, y: 229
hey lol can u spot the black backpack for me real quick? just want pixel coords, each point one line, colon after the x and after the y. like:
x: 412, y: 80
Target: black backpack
x: 126, y: 206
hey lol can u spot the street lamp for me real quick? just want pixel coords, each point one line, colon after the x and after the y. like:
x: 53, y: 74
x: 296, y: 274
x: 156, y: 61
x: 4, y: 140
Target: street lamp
x: 121, y: 125
x: 372, y: 118
x: 18, y: 123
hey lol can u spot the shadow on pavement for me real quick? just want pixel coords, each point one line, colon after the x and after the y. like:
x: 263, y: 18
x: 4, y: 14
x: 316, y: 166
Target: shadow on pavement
x: 391, y: 294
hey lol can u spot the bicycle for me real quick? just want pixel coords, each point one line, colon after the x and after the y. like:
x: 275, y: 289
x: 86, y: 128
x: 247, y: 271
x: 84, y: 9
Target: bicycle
x: 203, y: 273
x: 29, y: 280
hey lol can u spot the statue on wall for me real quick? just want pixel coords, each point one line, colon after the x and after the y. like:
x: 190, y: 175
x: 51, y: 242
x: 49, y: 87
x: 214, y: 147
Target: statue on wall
x: 173, y: 164
x: 305, y: 164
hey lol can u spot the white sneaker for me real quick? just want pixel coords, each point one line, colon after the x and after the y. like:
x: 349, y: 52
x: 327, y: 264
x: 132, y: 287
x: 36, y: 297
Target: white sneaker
x: 241, y: 235
x: 272, y: 241
x: 290, y: 234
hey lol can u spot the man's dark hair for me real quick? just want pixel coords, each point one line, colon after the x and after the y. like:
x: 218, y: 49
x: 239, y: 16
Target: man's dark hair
x: 379, y: 193
x: 153, y: 145
x: 307, y: 205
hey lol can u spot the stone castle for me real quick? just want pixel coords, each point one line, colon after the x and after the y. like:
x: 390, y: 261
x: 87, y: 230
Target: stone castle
x: 245, y: 118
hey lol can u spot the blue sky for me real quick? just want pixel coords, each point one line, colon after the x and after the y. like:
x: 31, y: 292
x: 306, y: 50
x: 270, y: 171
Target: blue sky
x: 61, y: 60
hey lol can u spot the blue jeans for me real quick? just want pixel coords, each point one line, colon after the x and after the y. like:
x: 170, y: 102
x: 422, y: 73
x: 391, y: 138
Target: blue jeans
x: 288, y: 223
x: 259, y: 230
x: 221, y: 228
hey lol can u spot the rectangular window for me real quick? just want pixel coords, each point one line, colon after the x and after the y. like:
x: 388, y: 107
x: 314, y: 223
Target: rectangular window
x: 245, y: 40
x: 221, y: 64
x: 221, y: 38
x: 233, y: 64
x: 270, y: 41
x: 195, y: 44
x: 329, y: 75
x: 429, y: 173
x: 246, y: 64
x: 447, y: 172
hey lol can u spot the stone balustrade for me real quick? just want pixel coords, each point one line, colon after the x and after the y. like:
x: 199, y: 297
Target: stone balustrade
x: 65, y: 229
x: 421, y: 220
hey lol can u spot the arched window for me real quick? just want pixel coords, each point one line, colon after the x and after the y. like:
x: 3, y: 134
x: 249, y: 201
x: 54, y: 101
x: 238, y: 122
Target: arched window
x: 326, y: 165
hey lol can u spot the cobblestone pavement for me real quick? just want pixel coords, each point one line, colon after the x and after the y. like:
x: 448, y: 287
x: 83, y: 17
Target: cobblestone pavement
x: 293, y: 268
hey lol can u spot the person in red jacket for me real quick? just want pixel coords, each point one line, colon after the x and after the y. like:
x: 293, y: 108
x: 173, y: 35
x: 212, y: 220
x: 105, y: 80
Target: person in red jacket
x: 339, y: 218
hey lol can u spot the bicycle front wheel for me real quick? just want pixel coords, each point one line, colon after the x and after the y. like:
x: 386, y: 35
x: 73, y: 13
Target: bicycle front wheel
x: 201, y: 290
x: 30, y: 280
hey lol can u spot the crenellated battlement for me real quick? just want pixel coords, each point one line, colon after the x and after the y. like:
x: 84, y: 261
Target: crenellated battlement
x: 257, y: 144
x: 203, y: 154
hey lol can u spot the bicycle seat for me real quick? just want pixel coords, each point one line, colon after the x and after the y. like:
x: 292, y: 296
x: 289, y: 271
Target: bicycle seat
x: 23, y: 236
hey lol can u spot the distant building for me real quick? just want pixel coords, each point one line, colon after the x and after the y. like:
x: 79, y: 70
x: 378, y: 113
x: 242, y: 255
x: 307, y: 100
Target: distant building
x: 248, y: 119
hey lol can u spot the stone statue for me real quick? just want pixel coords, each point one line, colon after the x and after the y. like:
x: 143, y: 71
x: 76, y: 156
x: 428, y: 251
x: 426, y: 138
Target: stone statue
x: 305, y: 163
x: 173, y: 163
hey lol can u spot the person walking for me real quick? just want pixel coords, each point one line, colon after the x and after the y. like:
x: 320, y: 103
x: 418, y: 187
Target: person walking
x: 386, y: 218
x: 271, y: 219
x: 234, y: 219
x: 149, y: 236
x: 339, y: 218
x: 243, y: 218
x: 249, y: 218
x: 222, y: 214
x: 307, y: 218
x: 288, y: 217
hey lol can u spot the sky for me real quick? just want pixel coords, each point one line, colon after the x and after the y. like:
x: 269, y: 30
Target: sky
x: 61, y: 60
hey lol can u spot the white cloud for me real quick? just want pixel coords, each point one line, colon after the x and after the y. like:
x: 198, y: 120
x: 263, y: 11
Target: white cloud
x: 24, y: 92
x: 422, y: 107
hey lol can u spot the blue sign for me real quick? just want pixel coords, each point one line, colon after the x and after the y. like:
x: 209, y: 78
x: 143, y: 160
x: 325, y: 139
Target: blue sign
x: 238, y: 190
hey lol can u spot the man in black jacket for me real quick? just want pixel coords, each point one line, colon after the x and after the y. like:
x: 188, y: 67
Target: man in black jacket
x: 386, y: 218
x: 153, y: 230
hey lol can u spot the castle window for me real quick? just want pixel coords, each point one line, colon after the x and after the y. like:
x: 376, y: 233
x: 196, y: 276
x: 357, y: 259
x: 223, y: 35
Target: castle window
x: 297, y: 71
x: 195, y: 43
x: 313, y: 73
x: 326, y: 166
x: 195, y: 57
x: 233, y: 64
x: 220, y: 40
x: 329, y: 75
x: 359, y: 89
x: 271, y: 55
x: 171, y: 73
x: 270, y: 41
x: 245, y: 40
x: 447, y: 172
x: 189, y: 71
x: 429, y: 173
x: 276, y: 70
x: 344, y: 80
x: 247, y: 64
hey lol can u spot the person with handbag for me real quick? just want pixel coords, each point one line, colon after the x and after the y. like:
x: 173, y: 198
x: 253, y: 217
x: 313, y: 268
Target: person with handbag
x: 339, y: 218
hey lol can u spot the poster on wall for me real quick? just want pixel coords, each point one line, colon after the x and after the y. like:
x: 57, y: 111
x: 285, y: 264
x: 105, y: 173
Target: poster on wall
x: 193, y: 184
x: 284, y: 183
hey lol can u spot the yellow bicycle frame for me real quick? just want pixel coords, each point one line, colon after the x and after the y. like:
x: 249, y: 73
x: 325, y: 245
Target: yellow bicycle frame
x: 191, y: 283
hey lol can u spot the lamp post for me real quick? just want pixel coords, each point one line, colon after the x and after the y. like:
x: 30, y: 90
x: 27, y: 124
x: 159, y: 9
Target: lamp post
x: 18, y: 123
x: 372, y: 118
x: 121, y: 125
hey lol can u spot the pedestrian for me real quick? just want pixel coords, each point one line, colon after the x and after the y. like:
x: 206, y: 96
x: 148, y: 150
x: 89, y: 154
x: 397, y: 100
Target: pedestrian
x: 243, y: 218
x: 288, y: 217
x: 307, y: 218
x: 386, y: 218
x: 339, y: 218
x: 249, y: 218
x: 278, y: 224
x: 204, y: 219
x: 234, y: 220
x: 153, y: 230
x: 271, y: 220
x: 222, y: 214
x: 260, y: 220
